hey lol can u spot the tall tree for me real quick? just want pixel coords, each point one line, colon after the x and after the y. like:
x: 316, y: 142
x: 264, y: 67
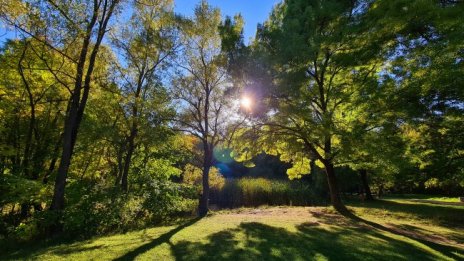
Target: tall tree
x: 62, y: 26
x: 201, y: 88
x: 425, y: 68
x: 27, y: 83
x: 146, y: 43
x: 321, y: 57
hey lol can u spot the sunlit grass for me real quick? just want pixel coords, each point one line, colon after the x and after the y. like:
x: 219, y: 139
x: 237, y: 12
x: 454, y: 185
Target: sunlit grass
x: 425, y: 197
x: 280, y: 233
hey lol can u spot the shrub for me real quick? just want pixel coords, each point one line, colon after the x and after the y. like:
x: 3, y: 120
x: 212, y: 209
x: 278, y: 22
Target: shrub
x: 106, y: 209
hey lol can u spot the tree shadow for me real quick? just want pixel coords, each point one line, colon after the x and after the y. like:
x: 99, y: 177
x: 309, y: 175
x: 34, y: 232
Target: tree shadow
x: 445, y: 215
x: 452, y: 238
x: 453, y: 252
x: 164, y: 238
x: 257, y: 241
x: 30, y: 249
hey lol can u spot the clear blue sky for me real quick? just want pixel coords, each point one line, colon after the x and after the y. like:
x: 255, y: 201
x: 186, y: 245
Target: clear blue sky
x: 253, y: 11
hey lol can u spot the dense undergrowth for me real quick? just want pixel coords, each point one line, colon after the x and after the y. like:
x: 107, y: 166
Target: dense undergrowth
x: 100, y: 208
x: 95, y: 209
x: 253, y: 192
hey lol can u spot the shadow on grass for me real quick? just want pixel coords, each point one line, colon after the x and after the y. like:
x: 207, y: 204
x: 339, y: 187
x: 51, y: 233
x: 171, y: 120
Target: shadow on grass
x: 350, y: 238
x: 257, y: 241
x: 14, y: 250
x: 11, y: 250
x: 332, y: 237
x: 445, y: 215
x: 434, y: 243
x: 164, y: 238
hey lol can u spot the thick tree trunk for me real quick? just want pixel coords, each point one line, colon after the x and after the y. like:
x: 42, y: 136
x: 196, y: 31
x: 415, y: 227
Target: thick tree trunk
x: 203, y: 204
x: 365, y: 183
x: 332, y: 180
x: 333, y: 189
x: 207, y: 162
x: 380, y: 192
x: 16, y: 138
x: 25, y: 166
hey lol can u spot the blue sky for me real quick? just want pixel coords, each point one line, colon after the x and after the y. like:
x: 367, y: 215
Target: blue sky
x: 253, y: 11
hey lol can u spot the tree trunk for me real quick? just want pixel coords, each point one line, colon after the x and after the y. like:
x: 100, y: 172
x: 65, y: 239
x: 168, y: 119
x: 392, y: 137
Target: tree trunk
x: 134, y: 130
x: 365, y: 183
x: 65, y: 161
x: 127, y: 161
x: 51, y: 168
x: 203, y: 204
x: 78, y: 102
x: 27, y: 148
x: 24, y: 213
x: 333, y: 189
x: 332, y: 180
x: 380, y: 193
x: 120, y: 165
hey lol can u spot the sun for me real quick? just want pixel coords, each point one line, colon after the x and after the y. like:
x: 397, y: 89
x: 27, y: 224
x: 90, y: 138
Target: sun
x: 246, y: 102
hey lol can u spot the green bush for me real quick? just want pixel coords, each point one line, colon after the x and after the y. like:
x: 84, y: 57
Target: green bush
x: 106, y: 209
x: 97, y: 208
x: 252, y: 192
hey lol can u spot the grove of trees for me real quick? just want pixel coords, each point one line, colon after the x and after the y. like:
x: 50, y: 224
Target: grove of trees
x: 114, y: 113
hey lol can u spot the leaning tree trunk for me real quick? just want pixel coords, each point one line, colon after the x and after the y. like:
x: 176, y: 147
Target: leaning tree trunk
x: 120, y: 164
x: 332, y: 180
x: 127, y: 161
x: 333, y: 189
x: 78, y: 102
x: 365, y: 183
x: 133, y: 134
x: 65, y: 161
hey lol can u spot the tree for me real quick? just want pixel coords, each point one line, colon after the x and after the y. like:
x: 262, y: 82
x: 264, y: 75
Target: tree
x: 202, y: 89
x: 146, y: 44
x: 32, y: 105
x: 76, y: 23
x: 424, y: 68
x: 322, y: 57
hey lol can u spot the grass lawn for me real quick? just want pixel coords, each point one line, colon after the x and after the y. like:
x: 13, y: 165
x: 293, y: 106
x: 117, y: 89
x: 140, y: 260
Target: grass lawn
x: 390, y: 229
x: 424, y: 197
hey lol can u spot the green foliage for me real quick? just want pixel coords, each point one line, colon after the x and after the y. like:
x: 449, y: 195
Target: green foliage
x: 193, y: 176
x: 102, y: 208
x: 18, y: 190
